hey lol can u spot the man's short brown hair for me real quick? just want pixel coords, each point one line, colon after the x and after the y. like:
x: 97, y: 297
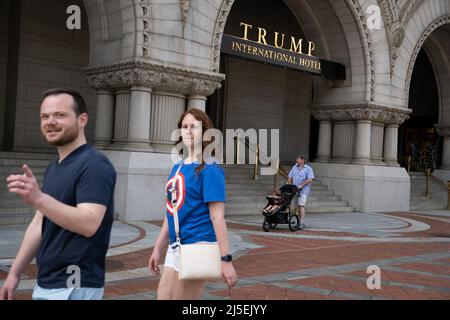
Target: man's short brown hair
x: 79, y: 105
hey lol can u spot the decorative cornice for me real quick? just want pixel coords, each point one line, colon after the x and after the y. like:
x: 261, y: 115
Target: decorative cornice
x: 218, y: 33
x: 157, y: 77
x: 443, y: 130
x: 360, y: 111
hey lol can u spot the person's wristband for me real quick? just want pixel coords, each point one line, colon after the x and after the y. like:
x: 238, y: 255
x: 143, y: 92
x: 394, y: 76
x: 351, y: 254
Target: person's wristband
x: 227, y: 258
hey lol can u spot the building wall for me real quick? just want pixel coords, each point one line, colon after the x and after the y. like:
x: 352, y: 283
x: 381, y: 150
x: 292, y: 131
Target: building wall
x: 267, y: 97
x: 50, y: 55
x: 4, y: 39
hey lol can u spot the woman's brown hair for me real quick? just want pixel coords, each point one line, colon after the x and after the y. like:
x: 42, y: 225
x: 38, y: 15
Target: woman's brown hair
x: 206, y: 124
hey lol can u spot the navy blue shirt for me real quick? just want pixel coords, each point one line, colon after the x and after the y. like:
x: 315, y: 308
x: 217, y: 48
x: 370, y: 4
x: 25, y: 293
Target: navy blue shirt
x: 84, y: 176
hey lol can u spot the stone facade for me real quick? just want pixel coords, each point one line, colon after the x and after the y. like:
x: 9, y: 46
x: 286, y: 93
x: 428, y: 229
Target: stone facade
x: 141, y: 63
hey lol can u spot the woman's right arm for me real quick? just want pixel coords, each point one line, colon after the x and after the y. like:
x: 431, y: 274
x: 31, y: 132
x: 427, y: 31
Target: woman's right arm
x: 163, y: 237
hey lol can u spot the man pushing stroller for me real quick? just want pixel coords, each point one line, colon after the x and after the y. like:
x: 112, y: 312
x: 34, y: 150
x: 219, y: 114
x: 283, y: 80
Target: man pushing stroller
x: 302, y: 176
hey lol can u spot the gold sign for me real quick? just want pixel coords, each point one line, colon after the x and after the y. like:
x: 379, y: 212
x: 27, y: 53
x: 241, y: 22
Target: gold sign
x: 285, y: 51
x: 294, y: 45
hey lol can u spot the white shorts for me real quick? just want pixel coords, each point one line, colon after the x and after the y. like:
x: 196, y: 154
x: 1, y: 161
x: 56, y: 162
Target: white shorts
x: 173, y: 257
x: 301, y: 200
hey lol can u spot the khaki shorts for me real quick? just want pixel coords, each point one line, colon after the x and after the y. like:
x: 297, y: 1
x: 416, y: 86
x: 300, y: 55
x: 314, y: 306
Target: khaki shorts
x: 301, y: 200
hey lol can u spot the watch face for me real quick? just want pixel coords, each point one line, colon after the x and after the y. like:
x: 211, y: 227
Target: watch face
x: 227, y: 258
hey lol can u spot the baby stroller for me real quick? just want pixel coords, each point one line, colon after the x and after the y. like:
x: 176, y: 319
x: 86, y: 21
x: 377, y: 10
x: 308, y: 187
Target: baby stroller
x: 278, y: 209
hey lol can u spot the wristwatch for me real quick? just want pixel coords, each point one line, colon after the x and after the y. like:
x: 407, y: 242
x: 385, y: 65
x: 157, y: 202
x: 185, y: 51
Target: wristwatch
x: 227, y: 258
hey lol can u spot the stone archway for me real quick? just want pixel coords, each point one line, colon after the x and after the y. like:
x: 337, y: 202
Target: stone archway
x: 327, y: 23
x: 42, y: 54
x: 119, y: 30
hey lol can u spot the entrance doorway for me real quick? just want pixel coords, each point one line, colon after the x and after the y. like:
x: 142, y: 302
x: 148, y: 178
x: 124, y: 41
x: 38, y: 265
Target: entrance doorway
x: 420, y: 146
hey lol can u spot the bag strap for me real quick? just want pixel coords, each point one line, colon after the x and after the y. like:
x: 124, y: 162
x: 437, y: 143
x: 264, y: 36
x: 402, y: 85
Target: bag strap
x: 174, y: 200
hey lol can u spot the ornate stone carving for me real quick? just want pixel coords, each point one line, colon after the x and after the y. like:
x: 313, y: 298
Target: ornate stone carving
x: 185, y: 6
x: 395, y: 21
x: 443, y: 130
x: 433, y: 26
x: 394, y: 31
x: 368, y: 111
x: 146, y: 17
x: 361, y: 17
x: 157, y: 77
x: 218, y: 33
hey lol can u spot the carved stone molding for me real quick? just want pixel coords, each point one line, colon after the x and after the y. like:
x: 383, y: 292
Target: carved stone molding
x: 156, y: 77
x: 146, y: 19
x: 395, y: 21
x: 357, y: 112
x: 185, y: 6
x: 443, y: 130
x: 367, y: 35
x: 218, y: 32
x: 433, y: 26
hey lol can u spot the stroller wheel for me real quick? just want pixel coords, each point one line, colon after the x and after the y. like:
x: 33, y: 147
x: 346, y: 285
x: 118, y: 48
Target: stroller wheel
x: 266, y: 226
x: 293, y: 223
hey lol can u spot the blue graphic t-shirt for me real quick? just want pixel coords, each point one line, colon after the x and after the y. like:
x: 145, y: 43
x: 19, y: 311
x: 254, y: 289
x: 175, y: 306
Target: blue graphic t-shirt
x: 194, y: 192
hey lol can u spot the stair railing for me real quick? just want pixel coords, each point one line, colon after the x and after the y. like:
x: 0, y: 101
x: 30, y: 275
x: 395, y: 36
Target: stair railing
x: 258, y: 155
x: 442, y: 183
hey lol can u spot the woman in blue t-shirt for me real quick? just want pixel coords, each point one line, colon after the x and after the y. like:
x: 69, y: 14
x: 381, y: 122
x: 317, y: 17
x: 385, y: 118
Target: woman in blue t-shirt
x: 200, y: 203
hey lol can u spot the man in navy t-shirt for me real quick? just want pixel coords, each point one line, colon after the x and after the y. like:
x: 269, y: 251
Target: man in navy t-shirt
x: 70, y: 232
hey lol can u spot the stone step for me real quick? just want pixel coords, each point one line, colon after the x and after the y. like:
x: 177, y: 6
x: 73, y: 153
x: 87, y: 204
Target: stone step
x: 19, y: 218
x: 316, y: 204
x: 427, y: 206
x: 257, y: 198
x: 240, y: 186
x: 329, y: 209
x: 253, y: 211
x: 261, y: 204
x: 17, y: 210
x: 6, y: 170
x: 237, y: 212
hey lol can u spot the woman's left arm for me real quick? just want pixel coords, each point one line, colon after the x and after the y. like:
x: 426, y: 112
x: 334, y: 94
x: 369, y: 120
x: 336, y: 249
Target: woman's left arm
x: 217, y: 213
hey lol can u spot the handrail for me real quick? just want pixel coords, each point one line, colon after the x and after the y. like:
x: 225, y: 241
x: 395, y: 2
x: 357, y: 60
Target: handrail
x: 442, y: 183
x: 255, y: 149
x: 279, y: 172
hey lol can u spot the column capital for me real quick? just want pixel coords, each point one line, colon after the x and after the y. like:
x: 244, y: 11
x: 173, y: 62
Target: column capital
x: 360, y: 112
x: 443, y: 130
x: 139, y: 73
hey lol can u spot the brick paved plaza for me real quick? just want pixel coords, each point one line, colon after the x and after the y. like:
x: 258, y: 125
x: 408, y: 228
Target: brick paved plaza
x: 328, y: 260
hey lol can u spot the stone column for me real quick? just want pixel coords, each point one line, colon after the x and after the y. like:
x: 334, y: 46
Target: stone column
x: 324, y: 145
x: 444, y: 131
x: 197, y: 101
x: 104, y: 119
x: 138, y: 137
x: 390, y: 145
x: 363, y: 142
x: 165, y: 112
x: 343, y: 141
x: 121, y: 119
x: 376, y: 152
